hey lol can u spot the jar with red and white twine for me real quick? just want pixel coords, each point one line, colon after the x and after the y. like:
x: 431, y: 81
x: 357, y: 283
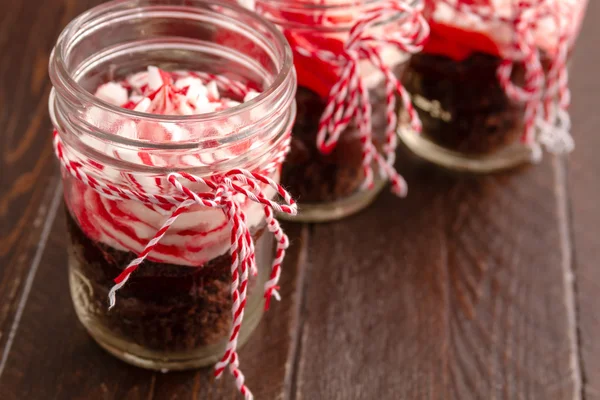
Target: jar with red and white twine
x: 503, y: 67
x: 349, y: 57
x: 171, y: 126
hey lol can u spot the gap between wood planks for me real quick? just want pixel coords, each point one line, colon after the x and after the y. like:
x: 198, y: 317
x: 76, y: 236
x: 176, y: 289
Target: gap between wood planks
x: 35, y: 263
x: 566, y: 235
x: 298, y: 338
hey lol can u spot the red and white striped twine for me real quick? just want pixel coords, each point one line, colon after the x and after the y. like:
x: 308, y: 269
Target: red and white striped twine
x: 348, y: 99
x: 546, y: 96
x: 222, y: 191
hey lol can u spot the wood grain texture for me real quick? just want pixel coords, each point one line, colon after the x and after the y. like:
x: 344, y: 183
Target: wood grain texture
x: 584, y: 191
x: 52, y: 356
x: 28, y: 171
x: 462, y: 291
x: 457, y: 292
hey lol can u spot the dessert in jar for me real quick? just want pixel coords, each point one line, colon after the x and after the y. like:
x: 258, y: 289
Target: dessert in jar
x: 348, y: 56
x: 491, y: 84
x: 171, y: 125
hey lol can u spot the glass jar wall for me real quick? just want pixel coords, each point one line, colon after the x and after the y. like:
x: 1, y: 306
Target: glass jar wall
x: 490, y: 86
x: 337, y: 166
x: 125, y: 171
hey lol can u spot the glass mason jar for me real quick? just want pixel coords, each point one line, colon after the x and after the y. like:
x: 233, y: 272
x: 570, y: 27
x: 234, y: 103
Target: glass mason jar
x: 175, y: 312
x: 343, y: 141
x: 490, y: 86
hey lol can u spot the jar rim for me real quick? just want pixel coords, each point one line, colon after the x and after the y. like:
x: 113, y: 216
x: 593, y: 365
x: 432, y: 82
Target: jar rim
x: 63, y: 80
x: 334, y: 6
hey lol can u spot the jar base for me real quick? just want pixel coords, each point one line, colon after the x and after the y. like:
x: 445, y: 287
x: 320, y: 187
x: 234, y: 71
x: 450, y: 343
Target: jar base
x: 332, y: 211
x: 148, y: 359
x: 508, y: 157
x: 140, y: 356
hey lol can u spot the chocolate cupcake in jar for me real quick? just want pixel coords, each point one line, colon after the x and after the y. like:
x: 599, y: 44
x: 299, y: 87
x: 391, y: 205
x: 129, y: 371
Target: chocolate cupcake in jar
x: 171, y: 125
x: 491, y: 85
x: 349, y: 56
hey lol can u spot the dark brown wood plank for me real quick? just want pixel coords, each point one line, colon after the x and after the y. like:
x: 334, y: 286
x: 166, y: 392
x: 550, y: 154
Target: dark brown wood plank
x: 28, y: 172
x: 459, y: 291
x: 52, y: 357
x: 584, y: 192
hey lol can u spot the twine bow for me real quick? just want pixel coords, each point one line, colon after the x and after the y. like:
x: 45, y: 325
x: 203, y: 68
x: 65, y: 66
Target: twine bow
x: 546, y: 96
x: 348, y: 99
x: 222, y: 194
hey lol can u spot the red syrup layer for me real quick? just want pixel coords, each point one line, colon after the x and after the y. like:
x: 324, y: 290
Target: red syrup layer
x: 313, y: 73
x: 458, y: 44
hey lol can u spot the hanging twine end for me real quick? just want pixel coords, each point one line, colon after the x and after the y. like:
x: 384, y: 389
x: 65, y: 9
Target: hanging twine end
x: 112, y: 294
x: 400, y: 189
x: 399, y: 185
x: 536, y: 153
x: 112, y: 298
x: 327, y: 149
x: 270, y: 293
x: 554, y: 133
x: 120, y: 281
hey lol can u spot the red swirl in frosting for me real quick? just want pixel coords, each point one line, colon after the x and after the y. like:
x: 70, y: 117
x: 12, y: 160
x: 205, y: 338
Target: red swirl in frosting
x: 199, y: 235
x: 195, y: 238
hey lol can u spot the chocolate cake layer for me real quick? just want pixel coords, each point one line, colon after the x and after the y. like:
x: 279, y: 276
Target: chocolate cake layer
x: 163, y: 307
x: 462, y: 105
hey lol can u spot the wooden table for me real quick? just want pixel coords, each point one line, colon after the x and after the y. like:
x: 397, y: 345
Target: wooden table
x: 471, y: 288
